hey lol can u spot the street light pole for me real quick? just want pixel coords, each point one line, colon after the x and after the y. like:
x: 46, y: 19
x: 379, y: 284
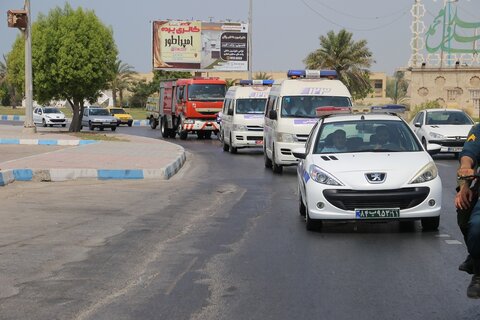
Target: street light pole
x: 28, y: 124
x: 250, y: 35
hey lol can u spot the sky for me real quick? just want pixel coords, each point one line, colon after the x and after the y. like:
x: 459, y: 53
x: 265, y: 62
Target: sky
x: 284, y: 31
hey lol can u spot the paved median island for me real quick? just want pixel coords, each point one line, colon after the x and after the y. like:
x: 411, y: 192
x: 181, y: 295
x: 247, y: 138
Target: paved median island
x: 130, y: 157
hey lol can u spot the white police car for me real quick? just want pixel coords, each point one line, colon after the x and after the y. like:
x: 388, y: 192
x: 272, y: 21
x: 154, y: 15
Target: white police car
x: 367, y: 167
x: 446, y: 127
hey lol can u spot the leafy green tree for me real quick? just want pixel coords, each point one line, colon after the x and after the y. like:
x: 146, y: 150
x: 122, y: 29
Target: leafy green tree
x: 350, y: 59
x: 159, y: 75
x: 122, y: 79
x: 73, y: 58
x: 141, y: 90
x: 397, y: 88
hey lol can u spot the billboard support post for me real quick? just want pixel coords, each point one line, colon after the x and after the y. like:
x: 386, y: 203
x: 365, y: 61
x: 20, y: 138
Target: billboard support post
x: 250, y: 35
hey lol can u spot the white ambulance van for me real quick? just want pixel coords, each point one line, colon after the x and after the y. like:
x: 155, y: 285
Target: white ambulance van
x: 291, y: 112
x: 242, y: 114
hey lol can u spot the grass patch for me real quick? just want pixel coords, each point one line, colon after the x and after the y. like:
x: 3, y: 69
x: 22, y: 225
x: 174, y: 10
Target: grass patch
x: 96, y: 136
x: 137, y: 113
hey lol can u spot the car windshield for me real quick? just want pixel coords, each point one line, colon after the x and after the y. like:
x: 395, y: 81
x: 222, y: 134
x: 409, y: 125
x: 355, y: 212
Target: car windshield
x: 117, y: 111
x: 51, y: 110
x: 305, y: 106
x: 99, y: 112
x: 366, y: 136
x: 206, y: 92
x: 250, y: 106
x: 448, y: 117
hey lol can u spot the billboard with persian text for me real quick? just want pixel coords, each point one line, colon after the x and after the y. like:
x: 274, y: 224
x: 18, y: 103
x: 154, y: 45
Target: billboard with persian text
x: 200, y: 46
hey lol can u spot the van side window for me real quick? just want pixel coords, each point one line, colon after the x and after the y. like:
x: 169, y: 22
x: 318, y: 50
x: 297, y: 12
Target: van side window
x: 225, y: 106
x: 230, y: 108
x: 269, y: 106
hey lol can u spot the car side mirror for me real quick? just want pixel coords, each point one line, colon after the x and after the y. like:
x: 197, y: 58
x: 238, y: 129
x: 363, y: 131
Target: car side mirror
x: 272, y: 115
x: 299, y: 153
x: 417, y: 124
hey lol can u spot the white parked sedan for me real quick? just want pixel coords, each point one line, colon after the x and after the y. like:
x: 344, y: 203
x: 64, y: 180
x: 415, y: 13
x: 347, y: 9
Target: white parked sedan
x: 49, y: 116
x: 367, y: 167
x: 446, y: 127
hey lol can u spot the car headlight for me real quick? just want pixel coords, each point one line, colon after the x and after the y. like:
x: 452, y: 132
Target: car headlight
x: 322, y: 176
x: 239, y: 127
x: 435, y: 135
x: 427, y: 173
x: 286, y: 137
x: 47, y: 116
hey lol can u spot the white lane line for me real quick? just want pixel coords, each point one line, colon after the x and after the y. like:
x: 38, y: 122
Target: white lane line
x: 442, y: 236
x: 453, y: 242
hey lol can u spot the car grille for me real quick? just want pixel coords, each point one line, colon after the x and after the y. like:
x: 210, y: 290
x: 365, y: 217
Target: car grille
x: 254, y: 138
x: 358, y: 199
x: 57, y: 120
x: 450, y: 143
x: 302, y: 137
x: 254, y: 128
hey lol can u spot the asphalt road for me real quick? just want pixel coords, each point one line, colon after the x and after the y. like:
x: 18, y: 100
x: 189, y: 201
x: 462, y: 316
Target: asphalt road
x: 221, y: 240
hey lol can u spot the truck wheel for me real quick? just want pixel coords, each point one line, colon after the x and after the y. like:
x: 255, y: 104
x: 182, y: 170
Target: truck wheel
x: 153, y: 123
x: 275, y: 167
x: 130, y: 123
x: 201, y: 135
x: 183, y: 135
x: 163, y: 128
x: 225, y: 146
x: 208, y: 134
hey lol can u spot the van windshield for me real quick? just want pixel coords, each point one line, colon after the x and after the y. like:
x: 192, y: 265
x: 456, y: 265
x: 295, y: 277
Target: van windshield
x: 206, y: 92
x: 245, y: 106
x: 305, y: 106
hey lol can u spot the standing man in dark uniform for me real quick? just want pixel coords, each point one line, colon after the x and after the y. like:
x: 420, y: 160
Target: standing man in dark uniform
x: 468, y: 209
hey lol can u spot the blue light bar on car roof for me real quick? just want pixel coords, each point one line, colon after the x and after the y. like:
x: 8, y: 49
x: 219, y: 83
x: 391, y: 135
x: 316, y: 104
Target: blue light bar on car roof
x: 256, y: 82
x: 332, y: 74
x: 389, y: 108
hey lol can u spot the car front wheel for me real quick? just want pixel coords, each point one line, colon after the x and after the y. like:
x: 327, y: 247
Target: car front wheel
x: 430, y: 223
x: 312, y: 224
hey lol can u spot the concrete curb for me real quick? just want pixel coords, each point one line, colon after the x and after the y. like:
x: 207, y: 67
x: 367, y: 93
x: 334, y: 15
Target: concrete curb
x: 56, y: 175
x: 140, y: 123
x: 47, y: 142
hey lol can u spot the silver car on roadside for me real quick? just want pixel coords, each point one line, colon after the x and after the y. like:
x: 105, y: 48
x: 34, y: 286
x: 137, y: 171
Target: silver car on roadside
x: 98, y: 117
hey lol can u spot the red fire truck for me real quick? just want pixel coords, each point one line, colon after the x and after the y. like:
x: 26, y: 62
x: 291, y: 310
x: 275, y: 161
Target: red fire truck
x: 187, y: 106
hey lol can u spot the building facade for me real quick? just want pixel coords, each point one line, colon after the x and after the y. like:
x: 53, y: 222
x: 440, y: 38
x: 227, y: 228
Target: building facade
x: 453, y: 87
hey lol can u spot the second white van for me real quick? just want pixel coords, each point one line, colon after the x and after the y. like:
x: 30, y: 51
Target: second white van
x: 242, y: 115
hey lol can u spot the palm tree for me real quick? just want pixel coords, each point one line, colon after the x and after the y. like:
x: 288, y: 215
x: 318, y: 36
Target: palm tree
x: 350, y: 59
x: 122, y: 79
x: 397, y: 88
x: 231, y: 82
x: 262, y: 76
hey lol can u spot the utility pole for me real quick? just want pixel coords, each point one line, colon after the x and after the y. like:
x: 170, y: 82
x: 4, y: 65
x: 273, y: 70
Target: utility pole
x: 249, y: 44
x: 28, y: 125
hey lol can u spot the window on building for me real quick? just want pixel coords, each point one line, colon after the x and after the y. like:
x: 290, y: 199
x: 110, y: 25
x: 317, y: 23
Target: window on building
x: 378, y: 84
x: 475, y: 96
x: 452, y: 94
